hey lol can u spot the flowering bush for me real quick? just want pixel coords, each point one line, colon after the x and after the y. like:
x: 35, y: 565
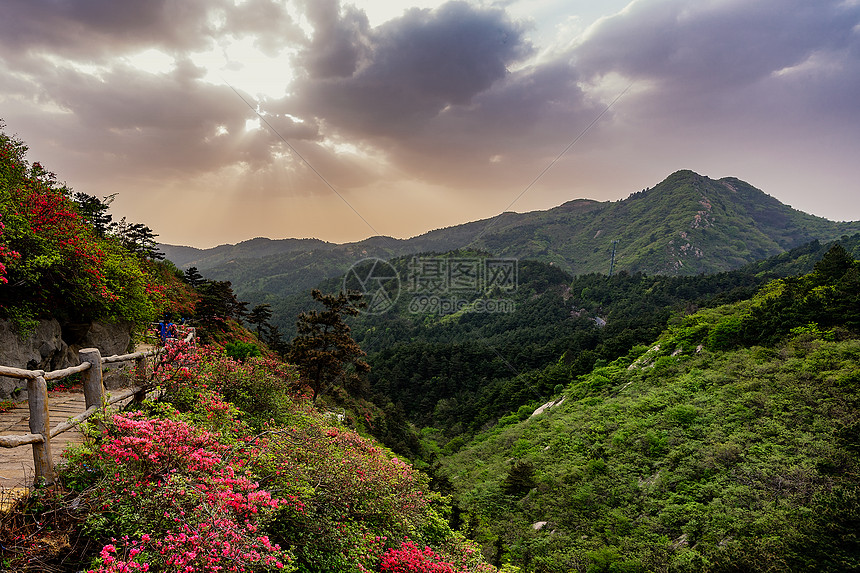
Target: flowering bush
x: 193, y: 489
x: 264, y: 389
x: 5, y: 254
x: 168, y: 292
x: 177, y: 365
x: 357, y: 498
x: 409, y: 558
x: 170, y: 492
x: 62, y: 264
x: 54, y: 262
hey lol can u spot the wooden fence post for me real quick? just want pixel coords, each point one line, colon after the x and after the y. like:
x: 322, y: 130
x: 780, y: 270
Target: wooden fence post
x: 40, y: 423
x: 140, y: 377
x: 94, y: 391
x: 140, y: 370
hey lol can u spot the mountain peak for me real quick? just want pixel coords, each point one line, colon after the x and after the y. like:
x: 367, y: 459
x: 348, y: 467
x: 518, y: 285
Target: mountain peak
x: 686, y: 224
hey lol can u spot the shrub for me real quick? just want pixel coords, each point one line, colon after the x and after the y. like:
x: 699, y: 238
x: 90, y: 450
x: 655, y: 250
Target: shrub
x: 192, y: 490
x: 241, y: 350
x: 169, y: 492
x: 53, y: 261
x: 409, y: 558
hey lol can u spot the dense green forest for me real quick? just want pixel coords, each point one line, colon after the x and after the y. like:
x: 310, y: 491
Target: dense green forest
x: 728, y: 444
x: 685, y: 225
x: 457, y: 374
x: 703, y: 423
x: 723, y: 443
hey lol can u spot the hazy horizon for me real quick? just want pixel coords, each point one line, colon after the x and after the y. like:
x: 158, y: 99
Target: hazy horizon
x: 217, y: 121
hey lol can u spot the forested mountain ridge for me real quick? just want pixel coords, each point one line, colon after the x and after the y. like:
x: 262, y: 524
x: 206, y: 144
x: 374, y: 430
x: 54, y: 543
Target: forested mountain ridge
x: 688, y: 224
x: 728, y: 444
x: 256, y: 248
x: 685, y: 225
x: 460, y: 372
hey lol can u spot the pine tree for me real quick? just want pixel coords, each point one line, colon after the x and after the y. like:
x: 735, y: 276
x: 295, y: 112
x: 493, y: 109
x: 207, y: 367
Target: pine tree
x: 833, y: 264
x: 193, y: 277
x: 137, y: 238
x: 260, y: 316
x: 217, y: 303
x: 520, y: 479
x: 96, y: 212
x: 323, y: 349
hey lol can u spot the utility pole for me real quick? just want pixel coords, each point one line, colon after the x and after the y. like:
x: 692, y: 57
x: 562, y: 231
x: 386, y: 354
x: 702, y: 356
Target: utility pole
x: 612, y: 260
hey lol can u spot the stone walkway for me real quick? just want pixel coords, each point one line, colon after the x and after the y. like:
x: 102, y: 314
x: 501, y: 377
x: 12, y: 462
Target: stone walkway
x: 16, y: 464
x: 17, y: 469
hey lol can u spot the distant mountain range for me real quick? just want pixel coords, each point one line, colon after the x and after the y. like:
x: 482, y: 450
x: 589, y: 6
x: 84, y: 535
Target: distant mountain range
x: 687, y: 224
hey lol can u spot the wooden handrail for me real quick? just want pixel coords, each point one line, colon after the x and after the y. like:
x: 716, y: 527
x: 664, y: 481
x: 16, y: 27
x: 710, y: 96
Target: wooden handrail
x: 20, y: 373
x: 41, y: 432
x: 22, y: 440
x: 57, y: 374
x: 128, y: 357
x: 72, y: 422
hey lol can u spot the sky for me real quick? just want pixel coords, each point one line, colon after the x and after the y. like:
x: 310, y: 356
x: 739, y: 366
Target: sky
x: 216, y: 121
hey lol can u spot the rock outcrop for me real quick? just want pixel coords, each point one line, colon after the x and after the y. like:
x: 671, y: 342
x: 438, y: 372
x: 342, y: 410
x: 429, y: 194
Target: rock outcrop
x: 52, y: 346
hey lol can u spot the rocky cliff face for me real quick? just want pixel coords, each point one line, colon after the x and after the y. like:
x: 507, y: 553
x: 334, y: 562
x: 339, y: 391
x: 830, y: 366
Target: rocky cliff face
x: 52, y: 346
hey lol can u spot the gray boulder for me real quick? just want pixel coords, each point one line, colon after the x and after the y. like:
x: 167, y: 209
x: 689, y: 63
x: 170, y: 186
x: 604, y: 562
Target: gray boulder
x: 52, y: 346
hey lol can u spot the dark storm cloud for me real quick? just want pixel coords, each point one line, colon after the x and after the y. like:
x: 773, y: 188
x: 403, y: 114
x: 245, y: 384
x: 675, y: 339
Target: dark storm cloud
x: 405, y: 72
x: 702, y: 46
x: 444, y: 93
x: 340, y: 40
x: 524, y: 121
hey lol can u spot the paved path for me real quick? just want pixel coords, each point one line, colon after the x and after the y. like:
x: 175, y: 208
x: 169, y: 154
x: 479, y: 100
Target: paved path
x: 16, y: 464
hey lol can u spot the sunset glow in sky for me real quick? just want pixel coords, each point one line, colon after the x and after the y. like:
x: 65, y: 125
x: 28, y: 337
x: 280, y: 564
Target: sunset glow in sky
x: 395, y: 118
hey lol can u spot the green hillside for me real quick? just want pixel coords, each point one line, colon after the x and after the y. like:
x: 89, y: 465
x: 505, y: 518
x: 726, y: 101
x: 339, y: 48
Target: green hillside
x: 260, y: 247
x: 729, y: 444
x: 686, y: 225
x: 454, y: 374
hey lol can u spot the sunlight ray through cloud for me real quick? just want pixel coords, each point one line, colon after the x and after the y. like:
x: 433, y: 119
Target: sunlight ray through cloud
x: 471, y: 97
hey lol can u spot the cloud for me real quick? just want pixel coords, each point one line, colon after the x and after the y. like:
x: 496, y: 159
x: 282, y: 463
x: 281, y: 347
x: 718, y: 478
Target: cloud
x: 440, y: 92
x: 173, y: 121
x: 454, y: 99
x: 340, y: 40
x: 512, y: 130
x: 68, y: 60
x: 765, y: 71
x: 96, y: 30
x: 720, y: 44
x: 267, y: 21
x: 405, y: 72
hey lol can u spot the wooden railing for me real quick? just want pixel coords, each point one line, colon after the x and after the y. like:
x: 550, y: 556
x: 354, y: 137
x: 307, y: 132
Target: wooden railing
x: 94, y: 395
